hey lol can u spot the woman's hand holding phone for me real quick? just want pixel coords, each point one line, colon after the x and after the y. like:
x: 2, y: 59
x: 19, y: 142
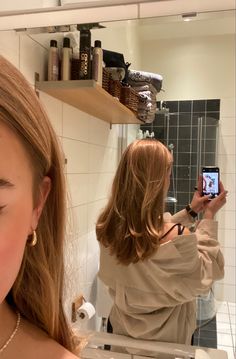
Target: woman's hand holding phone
x: 210, y: 206
x: 213, y: 206
x: 199, y: 202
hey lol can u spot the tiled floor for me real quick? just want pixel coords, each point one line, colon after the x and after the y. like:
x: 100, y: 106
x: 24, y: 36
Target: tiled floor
x: 220, y: 332
x: 226, y: 328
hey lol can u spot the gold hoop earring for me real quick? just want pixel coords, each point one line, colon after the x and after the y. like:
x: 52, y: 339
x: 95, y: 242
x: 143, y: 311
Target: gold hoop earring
x: 32, y: 240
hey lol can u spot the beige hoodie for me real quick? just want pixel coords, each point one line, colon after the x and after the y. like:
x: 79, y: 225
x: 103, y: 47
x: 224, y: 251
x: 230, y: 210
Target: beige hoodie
x: 155, y: 299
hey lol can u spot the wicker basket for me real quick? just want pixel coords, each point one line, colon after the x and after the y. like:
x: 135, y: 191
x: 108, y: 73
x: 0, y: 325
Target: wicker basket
x: 130, y: 98
x: 105, y: 79
x: 115, y: 88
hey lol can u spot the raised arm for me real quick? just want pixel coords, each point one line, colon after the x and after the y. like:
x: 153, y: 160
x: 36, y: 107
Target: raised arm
x: 199, y: 203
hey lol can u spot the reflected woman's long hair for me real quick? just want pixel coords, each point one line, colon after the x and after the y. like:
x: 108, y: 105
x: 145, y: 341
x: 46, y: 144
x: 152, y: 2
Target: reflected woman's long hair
x: 38, y: 290
x: 131, y: 222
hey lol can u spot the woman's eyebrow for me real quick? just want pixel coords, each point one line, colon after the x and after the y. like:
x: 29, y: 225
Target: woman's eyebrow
x: 4, y: 183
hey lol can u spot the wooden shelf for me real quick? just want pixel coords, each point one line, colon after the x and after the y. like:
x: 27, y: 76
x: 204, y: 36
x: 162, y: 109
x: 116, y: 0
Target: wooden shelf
x: 88, y: 96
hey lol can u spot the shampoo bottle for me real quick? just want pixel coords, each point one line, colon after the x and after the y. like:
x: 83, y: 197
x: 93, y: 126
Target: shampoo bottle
x: 97, y: 62
x: 66, y: 60
x: 53, y: 61
x: 85, y: 55
x: 75, y: 64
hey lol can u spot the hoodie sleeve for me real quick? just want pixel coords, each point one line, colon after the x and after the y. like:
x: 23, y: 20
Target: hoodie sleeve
x: 180, y: 217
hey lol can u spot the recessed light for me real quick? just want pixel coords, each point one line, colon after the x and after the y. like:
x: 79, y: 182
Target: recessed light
x: 189, y: 16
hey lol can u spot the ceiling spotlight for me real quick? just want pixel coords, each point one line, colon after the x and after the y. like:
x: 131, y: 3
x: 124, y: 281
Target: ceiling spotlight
x: 189, y: 16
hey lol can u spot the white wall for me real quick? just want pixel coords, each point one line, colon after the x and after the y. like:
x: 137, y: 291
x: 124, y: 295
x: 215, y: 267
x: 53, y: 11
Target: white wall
x: 198, y: 62
x: 225, y: 289
x: 121, y: 36
x: 193, y: 68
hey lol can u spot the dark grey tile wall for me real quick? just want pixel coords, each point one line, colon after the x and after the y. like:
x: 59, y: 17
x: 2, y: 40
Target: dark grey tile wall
x: 192, y: 123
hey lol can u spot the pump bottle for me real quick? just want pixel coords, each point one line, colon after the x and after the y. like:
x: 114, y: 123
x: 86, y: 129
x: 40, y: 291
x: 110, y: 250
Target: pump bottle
x: 53, y: 61
x: 66, y: 60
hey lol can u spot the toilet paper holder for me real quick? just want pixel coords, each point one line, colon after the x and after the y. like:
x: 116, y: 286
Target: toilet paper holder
x: 76, y: 304
x: 81, y: 309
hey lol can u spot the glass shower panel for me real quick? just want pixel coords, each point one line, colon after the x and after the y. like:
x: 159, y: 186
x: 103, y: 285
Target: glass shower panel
x: 189, y: 129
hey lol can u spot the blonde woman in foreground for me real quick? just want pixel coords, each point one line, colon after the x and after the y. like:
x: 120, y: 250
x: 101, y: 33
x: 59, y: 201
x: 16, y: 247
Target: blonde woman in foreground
x: 154, y: 270
x: 32, y: 226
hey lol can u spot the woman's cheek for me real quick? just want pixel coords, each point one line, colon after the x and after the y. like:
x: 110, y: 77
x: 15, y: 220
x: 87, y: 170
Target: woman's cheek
x: 10, y: 262
x: 13, y: 237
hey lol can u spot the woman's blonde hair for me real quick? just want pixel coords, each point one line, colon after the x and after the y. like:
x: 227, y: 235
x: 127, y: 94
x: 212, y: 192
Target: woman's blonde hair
x: 38, y: 290
x: 133, y: 218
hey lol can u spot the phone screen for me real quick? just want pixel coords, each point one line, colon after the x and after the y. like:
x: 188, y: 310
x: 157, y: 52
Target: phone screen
x: 210, y: 181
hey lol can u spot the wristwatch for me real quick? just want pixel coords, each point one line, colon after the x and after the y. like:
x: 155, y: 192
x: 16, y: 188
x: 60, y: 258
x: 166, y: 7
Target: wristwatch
x: 190, y: 211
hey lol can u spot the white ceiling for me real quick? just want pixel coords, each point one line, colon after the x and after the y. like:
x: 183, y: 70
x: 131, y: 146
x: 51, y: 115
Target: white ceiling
x: 171, y: 6
x: 81, y: 11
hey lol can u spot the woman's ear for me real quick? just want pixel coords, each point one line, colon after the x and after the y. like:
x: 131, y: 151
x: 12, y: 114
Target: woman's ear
x: 44, y: 190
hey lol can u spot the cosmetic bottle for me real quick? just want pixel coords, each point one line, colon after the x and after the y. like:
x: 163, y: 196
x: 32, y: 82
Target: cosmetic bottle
x: 66, y: 60
x: 85, y: 55
x: 53, y: 61
x: 75, y: 64
x: 139, y: 135
x: 97, y: 62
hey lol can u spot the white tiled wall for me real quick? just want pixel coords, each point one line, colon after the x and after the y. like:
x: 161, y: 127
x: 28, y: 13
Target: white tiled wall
x: 225, y: 289
x: 91, y: 150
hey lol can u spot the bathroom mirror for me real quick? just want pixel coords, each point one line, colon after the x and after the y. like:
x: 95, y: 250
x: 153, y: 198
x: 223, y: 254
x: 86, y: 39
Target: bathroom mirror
x: 197, y: 61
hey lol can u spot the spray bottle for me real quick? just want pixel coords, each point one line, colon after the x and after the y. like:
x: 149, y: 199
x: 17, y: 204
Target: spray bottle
x: 66, y: 60
x: 85, y: 54
x: 53, y: 61
x: 97, y: 62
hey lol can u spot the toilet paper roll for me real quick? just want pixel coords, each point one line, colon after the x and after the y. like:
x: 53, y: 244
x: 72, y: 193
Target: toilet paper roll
x: 86, y: 311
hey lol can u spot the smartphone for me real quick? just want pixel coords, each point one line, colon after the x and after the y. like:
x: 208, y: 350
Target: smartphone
x: 211, y: 181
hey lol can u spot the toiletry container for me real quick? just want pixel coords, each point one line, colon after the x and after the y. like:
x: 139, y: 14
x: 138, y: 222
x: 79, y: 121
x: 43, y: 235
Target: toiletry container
x: 53, y: 61
x: 85, y: 55
x: 66, y: 60
x: 75, y: 64
x: 97, y: 62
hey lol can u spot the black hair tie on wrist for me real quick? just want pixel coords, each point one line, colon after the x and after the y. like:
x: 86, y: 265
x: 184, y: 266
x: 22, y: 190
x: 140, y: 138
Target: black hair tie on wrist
x: 190, y: 211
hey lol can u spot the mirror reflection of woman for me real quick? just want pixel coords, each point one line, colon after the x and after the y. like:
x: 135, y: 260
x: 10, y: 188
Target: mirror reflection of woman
x: 32, y: 227
x: 155, y: 269
x: 208, y: 184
